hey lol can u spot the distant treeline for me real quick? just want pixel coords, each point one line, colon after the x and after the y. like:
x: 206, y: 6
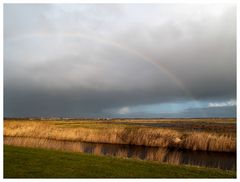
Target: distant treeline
x: 63, y: 118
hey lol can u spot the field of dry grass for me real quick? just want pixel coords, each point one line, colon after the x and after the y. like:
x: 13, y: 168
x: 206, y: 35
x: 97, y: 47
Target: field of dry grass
x: 102, y: 132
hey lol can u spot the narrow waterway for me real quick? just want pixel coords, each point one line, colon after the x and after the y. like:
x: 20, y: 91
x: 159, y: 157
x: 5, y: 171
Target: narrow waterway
x: 223, y: 160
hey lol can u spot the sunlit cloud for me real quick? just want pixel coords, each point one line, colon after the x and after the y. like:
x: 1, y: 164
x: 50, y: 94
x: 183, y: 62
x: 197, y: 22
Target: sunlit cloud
x: 222, y: 104
x: 124, y: 110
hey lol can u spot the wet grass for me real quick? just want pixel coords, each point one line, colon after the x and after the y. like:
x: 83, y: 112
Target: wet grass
x: 21, y: 162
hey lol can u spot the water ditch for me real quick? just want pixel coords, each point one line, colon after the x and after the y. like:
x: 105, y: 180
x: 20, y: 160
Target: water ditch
x: 222, y: 160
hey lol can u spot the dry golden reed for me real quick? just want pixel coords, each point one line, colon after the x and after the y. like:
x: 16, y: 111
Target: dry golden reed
x: 147, y: 136
x: 44, y: 143
x: 158, y: 154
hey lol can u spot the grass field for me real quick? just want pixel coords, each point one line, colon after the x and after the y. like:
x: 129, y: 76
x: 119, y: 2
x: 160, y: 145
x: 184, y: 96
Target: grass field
x: 21, y: 162
x: 194, y: 134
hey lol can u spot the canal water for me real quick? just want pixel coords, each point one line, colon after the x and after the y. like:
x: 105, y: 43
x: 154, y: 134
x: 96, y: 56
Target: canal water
x: 223, y: 160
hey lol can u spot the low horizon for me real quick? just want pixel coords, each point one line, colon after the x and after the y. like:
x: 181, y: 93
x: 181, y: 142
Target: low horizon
x: 103, y: 118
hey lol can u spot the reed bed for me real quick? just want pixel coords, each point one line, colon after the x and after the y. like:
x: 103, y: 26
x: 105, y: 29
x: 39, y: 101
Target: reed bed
x: 147, y: 136
x: 44, y: 143
x: 160, y: 155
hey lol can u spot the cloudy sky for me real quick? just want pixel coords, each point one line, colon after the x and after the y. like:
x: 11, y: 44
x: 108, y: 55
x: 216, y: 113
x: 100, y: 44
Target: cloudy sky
x: 121, y: 60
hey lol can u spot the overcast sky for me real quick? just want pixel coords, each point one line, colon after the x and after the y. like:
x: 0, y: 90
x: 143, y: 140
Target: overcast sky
x: 121, y: 60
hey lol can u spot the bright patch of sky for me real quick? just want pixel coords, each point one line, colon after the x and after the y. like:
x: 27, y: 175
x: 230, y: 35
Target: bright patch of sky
x: 173, y: 107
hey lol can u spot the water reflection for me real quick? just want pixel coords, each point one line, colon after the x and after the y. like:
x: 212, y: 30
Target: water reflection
x: 200, y: 158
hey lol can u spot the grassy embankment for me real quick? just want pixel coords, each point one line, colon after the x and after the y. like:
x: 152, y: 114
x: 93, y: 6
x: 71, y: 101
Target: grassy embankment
x: 21, y: 162
x: 103, y: 132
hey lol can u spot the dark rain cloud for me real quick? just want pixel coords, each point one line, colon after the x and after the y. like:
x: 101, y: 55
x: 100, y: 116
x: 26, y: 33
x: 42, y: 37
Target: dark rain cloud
x: 80, y: 60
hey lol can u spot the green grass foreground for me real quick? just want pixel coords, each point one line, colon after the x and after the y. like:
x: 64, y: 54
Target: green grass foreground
x: 21, y: 162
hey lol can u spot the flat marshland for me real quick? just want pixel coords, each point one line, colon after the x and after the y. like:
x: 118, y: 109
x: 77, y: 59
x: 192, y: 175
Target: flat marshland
x: 171, y: 143
x: 217, y: 135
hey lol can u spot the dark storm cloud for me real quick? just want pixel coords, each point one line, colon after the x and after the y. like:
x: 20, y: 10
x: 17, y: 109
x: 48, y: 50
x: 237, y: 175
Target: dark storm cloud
x: 79, y: 60
x: 201, y: 51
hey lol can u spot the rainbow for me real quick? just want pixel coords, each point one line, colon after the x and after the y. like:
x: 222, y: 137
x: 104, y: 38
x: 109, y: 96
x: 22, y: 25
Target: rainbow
x: 117, y: 45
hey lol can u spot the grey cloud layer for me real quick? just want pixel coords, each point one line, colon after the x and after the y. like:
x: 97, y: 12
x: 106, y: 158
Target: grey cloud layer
x: 79, y: 60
